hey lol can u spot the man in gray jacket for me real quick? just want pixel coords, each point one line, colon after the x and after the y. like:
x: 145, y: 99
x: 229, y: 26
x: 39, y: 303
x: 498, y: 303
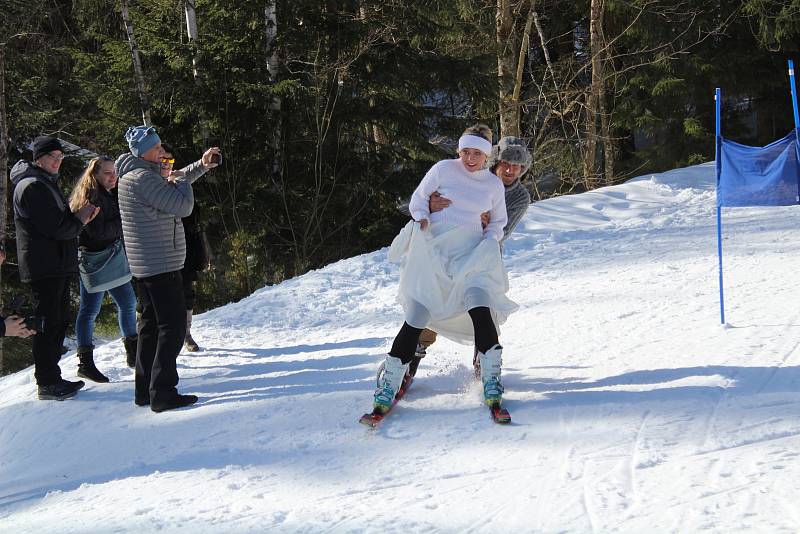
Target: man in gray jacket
x: 151, y: 208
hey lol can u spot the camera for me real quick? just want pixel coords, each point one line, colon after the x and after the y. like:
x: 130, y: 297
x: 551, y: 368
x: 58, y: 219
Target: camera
x: 216, y: 158
x: 35, y: 323
x: 18, y: 307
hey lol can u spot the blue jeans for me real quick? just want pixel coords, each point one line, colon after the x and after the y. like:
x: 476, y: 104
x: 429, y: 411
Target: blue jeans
x: 123, y: 297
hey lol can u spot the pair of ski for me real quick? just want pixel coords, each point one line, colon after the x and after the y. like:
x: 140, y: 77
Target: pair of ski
x: 499, y: 414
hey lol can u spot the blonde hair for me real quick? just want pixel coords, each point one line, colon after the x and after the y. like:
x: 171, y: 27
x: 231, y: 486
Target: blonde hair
x: 86, y: 185
x: 480, y: 130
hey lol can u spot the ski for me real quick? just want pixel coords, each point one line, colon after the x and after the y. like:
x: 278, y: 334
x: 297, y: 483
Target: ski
x: 374, y: 417
x: 500, y: 415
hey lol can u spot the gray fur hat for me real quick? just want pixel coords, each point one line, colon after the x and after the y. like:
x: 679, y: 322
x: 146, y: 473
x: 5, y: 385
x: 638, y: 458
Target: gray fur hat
x: 511, y: 150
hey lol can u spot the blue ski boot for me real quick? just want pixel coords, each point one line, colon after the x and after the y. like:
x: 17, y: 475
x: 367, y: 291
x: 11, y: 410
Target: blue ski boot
x: 393, y: 372
x: 490, y: 364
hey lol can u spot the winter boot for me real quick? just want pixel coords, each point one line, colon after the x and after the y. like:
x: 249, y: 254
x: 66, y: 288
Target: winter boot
x: 130, y: 343
x: 491, y: 363
x: 86, y: 367
x: 393, y: 372
x: 179, y: 401
x: 189, y: 342
x: 61, y: 390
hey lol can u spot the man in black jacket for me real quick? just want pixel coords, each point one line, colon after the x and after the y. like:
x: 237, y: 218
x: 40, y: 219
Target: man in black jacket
x: 47, y: 250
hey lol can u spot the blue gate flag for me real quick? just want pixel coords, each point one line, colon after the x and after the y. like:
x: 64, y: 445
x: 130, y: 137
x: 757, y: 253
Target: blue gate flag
x: 759, y: 176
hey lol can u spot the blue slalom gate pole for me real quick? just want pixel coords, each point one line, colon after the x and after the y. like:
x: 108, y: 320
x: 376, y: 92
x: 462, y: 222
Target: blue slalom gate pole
x: 718, y: 162
x: 796, y: 119
x: 794, y: 94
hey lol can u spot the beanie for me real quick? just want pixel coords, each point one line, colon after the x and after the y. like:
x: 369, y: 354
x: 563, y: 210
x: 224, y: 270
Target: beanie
x: 141, y: 139
x: 512, y: 150
x: 44, y: 144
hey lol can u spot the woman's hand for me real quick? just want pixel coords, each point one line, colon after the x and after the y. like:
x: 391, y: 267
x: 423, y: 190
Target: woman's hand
x: 174, y: 175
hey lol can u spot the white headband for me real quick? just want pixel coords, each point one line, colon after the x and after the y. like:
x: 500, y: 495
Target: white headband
x: 474, y: 141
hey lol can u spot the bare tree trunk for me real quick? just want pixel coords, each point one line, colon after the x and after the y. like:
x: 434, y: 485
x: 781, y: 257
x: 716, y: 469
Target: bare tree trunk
x: 596, y: 47
x: 273, y: 66
x: 191, y: 31
x: 605, y: 131
x: 375, y: 133
x: 523, y: 50
x: 506, y: 66
x: 4, y: 142
x: 137, y: 64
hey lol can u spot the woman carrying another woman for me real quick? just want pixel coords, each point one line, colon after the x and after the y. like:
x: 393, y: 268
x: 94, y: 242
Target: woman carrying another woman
x: 452, y: 278
x: 97, y: 186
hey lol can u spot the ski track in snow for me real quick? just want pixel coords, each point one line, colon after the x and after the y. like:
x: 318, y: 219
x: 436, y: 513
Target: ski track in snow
x: 633, y: 409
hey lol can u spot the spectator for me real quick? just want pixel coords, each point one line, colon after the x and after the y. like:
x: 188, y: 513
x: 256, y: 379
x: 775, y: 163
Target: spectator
x: 47, y: 246
x: 196, y: 253
x: 98, y: 186
x: 151, y: 209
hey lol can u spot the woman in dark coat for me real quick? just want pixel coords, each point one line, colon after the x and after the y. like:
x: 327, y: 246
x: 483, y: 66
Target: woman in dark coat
x: 97, y: 186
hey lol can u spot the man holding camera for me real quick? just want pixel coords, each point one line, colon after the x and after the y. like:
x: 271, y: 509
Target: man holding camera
x: 151, y: 208
x: 47, y: 250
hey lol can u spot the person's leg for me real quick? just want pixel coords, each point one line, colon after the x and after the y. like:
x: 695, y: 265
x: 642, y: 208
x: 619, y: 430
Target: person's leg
x: 87, y: 314
x: 147, y: 342
x: 125, y: 300
x: 84, y: 329
x: 188, y: 296
x: 395, y: 366
x: 489, y: 353
x: 405, y: 343
x: 51, y: 302
x: 427, y: 338
x: 124, y: 297
x: 166, y: 296
x: 47, y: 303
x: 485, y: 331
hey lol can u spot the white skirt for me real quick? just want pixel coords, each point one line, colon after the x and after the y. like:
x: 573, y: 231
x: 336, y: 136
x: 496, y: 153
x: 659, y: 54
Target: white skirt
x: 446, y: 271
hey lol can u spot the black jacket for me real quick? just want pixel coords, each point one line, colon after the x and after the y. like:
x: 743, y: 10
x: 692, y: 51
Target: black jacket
x: 196, y: 252
x: 47, y: 231
x: 106, y: 228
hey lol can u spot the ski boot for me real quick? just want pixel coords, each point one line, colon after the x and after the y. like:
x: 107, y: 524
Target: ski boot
x: 410, y: 373
x: 490, y: 365
x: 389, y: 383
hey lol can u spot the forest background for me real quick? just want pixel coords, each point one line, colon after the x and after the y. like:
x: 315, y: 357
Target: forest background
x: 328, y: 113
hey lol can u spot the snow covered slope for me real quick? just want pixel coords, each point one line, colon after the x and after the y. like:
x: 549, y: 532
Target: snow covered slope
x: 634, y: 409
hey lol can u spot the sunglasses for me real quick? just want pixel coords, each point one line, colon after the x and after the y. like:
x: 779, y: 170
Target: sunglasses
x: 167, y: 161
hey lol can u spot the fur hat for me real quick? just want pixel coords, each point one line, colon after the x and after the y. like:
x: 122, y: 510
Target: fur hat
x: 44, y: 144
x: 141, y: 139
x: 511, y: 150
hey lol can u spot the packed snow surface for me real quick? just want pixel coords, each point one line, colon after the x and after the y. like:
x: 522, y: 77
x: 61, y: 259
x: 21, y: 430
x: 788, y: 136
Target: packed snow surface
x: 634, y: 409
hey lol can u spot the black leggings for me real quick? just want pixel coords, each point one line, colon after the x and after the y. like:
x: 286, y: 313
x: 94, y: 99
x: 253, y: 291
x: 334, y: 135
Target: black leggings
x: 405, y: 344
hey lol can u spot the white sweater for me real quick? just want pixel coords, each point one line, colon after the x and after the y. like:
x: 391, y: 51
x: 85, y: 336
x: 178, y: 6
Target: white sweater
x: 471, y: 193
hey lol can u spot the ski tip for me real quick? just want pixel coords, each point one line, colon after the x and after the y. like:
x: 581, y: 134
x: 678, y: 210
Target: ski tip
x: 371, y: 419
x: 500, y: 415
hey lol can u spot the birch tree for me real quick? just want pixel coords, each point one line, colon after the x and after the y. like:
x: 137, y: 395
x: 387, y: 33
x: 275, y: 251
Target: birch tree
x: 137, y: 64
